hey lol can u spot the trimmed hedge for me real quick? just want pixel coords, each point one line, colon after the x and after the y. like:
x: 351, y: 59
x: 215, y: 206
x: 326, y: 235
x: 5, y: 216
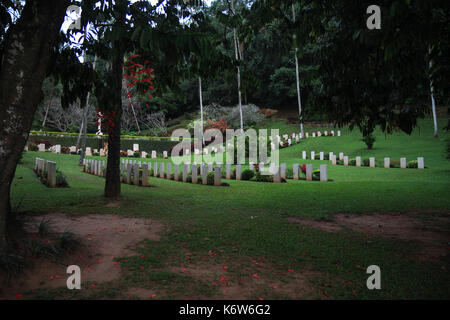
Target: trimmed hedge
x: 97, y: 142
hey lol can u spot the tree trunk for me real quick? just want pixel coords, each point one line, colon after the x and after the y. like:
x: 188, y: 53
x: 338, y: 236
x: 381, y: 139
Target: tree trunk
x: 201, y: 108
x: 48, y: 108
x: 24, y: 65
x: 236, y: 53
x: 84, y: 106
x: 433, y: 104
x: 297, y: 76
x: 113, y: 183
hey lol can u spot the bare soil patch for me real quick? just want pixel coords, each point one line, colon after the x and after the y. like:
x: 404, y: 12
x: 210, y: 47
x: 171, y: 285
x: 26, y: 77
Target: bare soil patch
x: 103, y: 238
x: 253, y: 279
x: 431, y: 231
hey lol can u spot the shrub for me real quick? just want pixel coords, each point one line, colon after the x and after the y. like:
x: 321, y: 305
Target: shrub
x: 33, y: 147
x: 352, y: 162
x: 247, y: 174
x: 395, y: 163
x: 317, y: 157
x: 61, y: 181
x: 366, y: 162
x: 289, y: 173
x: 210, y: 178
x: 137, y: 154
x: 412, y: 164
x: 369, y: 140
x: 263, y: 178
x: 65, y: 150
x: 96, y: 154
x: 316, y: 174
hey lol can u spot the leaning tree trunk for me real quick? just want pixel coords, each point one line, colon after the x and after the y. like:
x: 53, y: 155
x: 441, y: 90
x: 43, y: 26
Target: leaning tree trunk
x: 24, y: 65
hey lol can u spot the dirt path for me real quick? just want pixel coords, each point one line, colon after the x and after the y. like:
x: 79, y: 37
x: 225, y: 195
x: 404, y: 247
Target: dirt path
x: 431, y: 231
x: 103, y: 238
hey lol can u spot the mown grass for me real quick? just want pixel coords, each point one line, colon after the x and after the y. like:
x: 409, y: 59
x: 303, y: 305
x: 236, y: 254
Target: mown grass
x: 250, y: 217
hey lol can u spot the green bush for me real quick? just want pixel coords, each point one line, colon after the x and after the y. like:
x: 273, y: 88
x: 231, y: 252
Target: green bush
x: 247, y: 174
x: 412, y: 164
x: 96, y: 154
x: 33, y: 147
x: 210, y: 178
x: 395, y: 163
x: 189, y: 178
x: 366, y: 162
x: 136, y: 154
x: 316, y: 174
x: 369, y: 140
x: 263, y: 178
x: 352, y: 162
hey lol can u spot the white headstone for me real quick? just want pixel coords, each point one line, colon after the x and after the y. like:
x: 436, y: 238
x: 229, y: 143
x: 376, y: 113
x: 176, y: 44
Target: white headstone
x: 341, y: 156
x: 296, y: 171
x: 169, y: 171
x: 185, y: 172
x: 228, y: 171
x: 165, y: 154
x: 51, y: 174
x: 283, y: 171
x: 372, y: 162
x: 58, y: 148
x: 130, y: 153
x: 135, y: 147
x: 41, y: 147
x: 387, y: 162
x: 309, y: 170
x: 420, y: 163
x: 155, y: 169
x: 277, y: 175
x: 238, y: 171
x: 313, y: 155
x: 403, y: 163
x: 176, y: 172
x: 128, y: 180
x: 145, y: 174
x: 194, y: 174
x: 345, y: 160
x: 204, y: 171
x: 304, y: 155
x: 333, y: 159
x: 161, y: 170
x: 217, y: 176
x: 321, y: 155
x: 358, y: 161
x: 153, y: 154
x: 136, y: 174
x: 339, y: 133
x: 323, y: 173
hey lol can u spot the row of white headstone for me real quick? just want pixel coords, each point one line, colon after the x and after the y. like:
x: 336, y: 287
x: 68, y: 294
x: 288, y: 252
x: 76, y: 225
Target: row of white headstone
x: 42, y: 167
x: 387, y: 161
x: 95, y: 167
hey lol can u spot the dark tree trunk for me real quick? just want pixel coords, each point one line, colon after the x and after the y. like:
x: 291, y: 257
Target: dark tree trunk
x: 24, y: 65
x: 112, y: 184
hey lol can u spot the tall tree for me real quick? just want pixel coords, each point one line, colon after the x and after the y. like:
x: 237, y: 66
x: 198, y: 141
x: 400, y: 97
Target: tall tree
x: 27, y: 50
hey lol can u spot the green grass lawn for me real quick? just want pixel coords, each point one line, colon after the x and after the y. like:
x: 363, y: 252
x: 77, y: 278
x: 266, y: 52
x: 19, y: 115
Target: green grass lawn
x: 226, y: 217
